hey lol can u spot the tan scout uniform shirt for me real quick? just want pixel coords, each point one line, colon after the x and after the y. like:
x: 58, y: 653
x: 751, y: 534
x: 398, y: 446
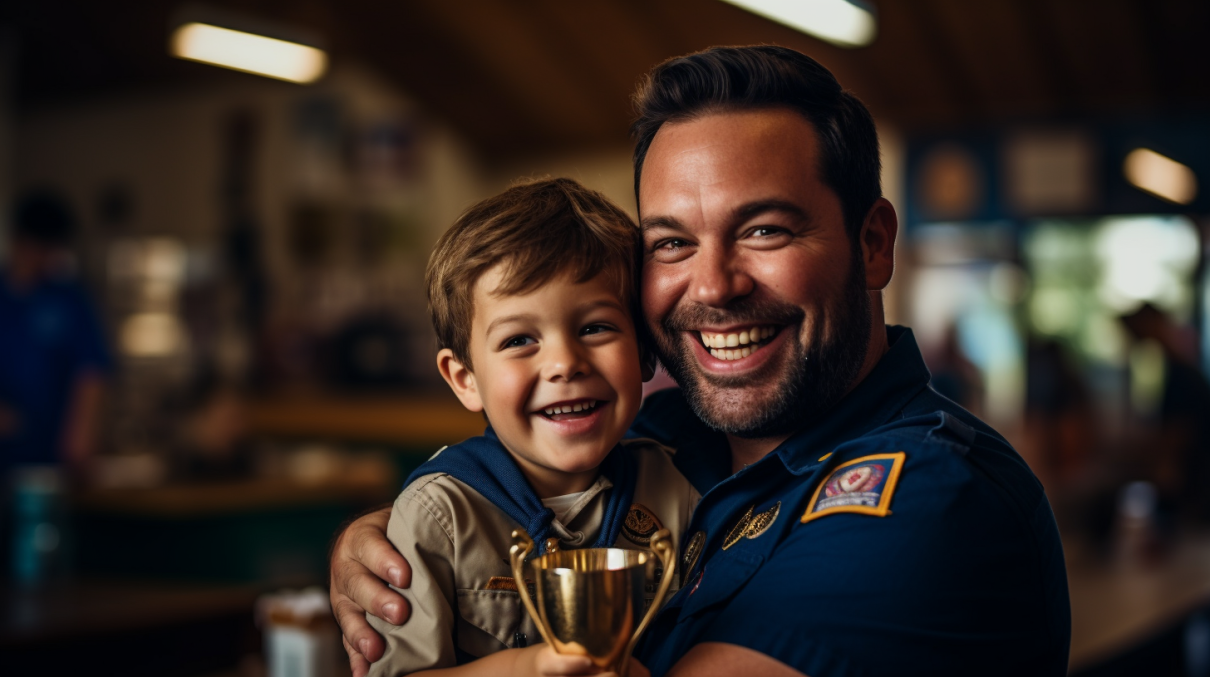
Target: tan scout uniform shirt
x: 462, y: 593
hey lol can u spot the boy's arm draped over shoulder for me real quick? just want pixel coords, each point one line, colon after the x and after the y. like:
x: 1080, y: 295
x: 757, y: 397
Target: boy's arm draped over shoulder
x: 419, y: 531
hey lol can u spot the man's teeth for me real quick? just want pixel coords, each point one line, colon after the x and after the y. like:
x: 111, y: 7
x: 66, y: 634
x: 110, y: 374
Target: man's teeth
x: 570, y: 408
x: 737, y: 345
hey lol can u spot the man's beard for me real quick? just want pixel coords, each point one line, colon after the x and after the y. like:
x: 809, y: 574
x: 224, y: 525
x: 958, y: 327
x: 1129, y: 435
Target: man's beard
x: 813, y: 380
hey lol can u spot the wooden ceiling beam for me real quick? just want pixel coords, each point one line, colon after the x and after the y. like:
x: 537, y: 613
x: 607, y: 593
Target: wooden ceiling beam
x: 946, y: 62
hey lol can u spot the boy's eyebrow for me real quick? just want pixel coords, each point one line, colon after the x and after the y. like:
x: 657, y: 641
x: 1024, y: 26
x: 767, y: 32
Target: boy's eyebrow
x: 521, y: 317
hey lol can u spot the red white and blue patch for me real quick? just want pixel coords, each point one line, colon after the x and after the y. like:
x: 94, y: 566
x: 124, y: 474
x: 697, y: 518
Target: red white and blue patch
x: 864, y: 486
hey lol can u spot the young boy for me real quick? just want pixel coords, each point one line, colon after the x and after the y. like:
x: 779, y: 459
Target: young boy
x: 533, y: 297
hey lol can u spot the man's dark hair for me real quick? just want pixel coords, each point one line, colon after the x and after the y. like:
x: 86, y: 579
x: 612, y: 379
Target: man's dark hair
x: 43, y: 216
x: 724, y: 79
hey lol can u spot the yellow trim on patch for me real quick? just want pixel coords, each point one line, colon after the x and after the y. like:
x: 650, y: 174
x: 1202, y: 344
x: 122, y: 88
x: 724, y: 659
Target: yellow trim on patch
x: 825, y: 457
x: 884, y: 500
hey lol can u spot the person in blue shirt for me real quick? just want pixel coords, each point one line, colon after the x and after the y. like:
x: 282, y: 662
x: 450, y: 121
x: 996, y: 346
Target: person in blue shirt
x: 853, y: 521
x: 53, y: 354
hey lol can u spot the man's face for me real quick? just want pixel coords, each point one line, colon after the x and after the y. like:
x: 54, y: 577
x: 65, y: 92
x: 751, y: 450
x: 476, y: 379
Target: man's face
x: 751, y: 287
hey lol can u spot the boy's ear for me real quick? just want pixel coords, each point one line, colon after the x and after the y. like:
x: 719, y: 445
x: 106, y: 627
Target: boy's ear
x: 648, y: 361
x: 460, y: 379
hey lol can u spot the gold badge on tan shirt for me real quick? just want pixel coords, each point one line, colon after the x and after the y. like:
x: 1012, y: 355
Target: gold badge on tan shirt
x: 641, y: 524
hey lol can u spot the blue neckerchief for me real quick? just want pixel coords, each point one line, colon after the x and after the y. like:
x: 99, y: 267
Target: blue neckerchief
x: 486, y: 466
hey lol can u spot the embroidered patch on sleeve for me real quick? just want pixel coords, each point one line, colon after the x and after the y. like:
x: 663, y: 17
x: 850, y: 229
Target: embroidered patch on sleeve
x: 864, y: 486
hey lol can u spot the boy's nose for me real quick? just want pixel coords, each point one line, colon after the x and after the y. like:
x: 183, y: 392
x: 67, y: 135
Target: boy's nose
x: 565, y: 360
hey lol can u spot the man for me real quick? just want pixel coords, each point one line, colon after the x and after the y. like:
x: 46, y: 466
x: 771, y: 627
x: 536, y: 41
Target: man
x: 853, y: 521
x: 53, y: 357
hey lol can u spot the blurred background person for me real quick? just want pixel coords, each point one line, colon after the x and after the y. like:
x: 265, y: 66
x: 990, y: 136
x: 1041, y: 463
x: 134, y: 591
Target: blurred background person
x: 53, y: 353
x: 1174, y: 442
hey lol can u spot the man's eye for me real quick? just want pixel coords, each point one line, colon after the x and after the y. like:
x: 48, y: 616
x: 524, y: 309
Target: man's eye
x: 767, y: 231
x: 518, y: 342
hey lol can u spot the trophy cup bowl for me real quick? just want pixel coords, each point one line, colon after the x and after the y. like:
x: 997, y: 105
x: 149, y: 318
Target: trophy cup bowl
x: 590, y: 602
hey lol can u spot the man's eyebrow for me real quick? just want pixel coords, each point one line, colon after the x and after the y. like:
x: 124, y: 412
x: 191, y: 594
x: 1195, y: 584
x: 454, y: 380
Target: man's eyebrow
x: 661, y: 222
x: 739, y: 214
x: 751, y: 209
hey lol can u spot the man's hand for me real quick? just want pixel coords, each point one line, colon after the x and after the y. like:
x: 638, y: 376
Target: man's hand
x: 362, y: 559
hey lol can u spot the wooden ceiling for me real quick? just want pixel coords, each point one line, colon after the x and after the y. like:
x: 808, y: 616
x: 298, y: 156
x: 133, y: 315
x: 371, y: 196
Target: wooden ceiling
x: 532, y: 76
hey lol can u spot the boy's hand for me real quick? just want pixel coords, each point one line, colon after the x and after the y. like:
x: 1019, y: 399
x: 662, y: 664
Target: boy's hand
x: 362, y: 558
x: 547, y: 663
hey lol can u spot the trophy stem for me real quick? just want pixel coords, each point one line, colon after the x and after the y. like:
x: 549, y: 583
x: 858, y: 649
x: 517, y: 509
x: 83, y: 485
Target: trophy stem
x: 665, y: 549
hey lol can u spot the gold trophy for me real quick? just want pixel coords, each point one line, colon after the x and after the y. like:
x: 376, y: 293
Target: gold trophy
x: 589, y: 602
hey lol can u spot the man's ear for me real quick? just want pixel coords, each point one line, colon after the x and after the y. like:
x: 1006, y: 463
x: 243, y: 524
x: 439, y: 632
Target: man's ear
x: 460, y: 379
x: 878, y: 234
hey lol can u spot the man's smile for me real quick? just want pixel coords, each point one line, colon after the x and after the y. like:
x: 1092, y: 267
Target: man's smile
x: 738, y: 343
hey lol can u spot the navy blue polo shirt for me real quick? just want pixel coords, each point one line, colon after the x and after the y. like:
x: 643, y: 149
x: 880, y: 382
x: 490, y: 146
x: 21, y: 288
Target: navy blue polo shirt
x: 897, y: 534
x: 49, y: 337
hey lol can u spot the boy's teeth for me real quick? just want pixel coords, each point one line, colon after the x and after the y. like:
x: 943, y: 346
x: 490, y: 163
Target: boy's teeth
x: 743, y: 338
x: 570, y: 408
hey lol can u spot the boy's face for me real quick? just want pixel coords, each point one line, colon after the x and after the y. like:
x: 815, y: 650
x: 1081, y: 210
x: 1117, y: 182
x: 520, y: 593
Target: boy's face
x: 558, y: 372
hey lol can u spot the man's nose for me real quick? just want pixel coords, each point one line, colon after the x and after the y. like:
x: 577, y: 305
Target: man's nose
x: 718, y: 277
x: 564, y: 360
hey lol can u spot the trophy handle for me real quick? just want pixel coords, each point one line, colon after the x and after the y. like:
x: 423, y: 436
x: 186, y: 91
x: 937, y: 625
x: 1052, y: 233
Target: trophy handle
x: 522, y: 546
x: 665, y: 549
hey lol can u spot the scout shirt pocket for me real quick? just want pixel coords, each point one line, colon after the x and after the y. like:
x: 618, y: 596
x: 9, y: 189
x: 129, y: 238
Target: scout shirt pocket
x: 489, y: 621
x: 719, y: 581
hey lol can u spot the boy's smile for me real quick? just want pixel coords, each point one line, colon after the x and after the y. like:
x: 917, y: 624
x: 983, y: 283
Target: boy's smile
x: 557, y: 371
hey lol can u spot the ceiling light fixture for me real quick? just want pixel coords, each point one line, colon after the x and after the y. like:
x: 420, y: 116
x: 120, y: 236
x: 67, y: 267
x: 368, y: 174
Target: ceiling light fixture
x: 848, y: 23
x: 1161, y: 176
x: 248, y: 52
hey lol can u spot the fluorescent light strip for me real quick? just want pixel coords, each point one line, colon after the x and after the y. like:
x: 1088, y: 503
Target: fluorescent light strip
x: 1161, y: 176
x: 836, y: 21
x: 249, y: 53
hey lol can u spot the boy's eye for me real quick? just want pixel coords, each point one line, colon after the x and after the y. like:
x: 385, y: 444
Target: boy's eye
x: 594, y: 329
x: 517, y: 342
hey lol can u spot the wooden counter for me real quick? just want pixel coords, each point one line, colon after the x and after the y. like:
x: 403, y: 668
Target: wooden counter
x: 233, y: 496
x: 1118, y: 605
x: 415, y: 421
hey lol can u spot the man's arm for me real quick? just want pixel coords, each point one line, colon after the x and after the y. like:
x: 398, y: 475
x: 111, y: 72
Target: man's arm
x: 715, y: 658
x: 362, y: 560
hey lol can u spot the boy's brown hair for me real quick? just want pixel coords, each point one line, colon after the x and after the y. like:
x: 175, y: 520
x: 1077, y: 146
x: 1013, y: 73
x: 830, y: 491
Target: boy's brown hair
x: 538, y: 230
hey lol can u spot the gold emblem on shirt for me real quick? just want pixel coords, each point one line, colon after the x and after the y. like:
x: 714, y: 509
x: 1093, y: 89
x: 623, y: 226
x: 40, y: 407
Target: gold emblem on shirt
x: 751, y: 526
x: 761, y: 523
x: 641, y: 524
x: 692, y: 552
x: 737, y: 531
